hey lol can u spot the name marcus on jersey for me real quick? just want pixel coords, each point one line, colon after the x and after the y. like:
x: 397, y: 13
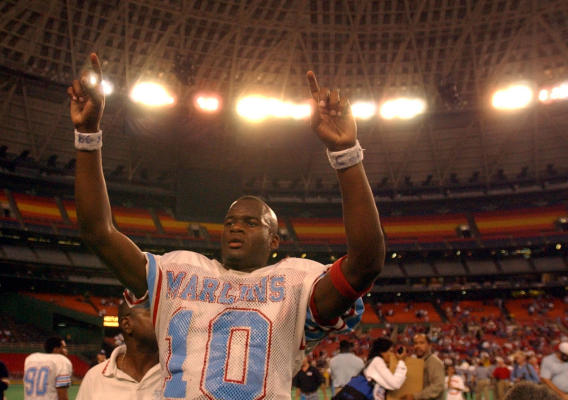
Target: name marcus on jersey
x: 192, y: 287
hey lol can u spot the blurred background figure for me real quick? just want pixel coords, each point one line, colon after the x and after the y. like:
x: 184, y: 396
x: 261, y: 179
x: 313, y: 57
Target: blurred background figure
x: 455, y: 384
x: 502, y: 376
x: 307, y: 382
x: 433, y: 382
x: 344, y: 365
x: 554, y: 370
x: 133, y: 370
x: 381, y: 356
x: 523, y: 371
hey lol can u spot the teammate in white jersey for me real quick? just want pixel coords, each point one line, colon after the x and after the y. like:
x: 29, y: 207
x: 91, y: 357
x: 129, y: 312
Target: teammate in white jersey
x: 132, y: 372
x: 236, y: 329
x: 47, y: 376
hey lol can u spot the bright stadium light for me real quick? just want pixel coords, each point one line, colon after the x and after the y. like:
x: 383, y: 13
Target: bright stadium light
x: 151, y: 94
x: 208, y: 103
x: 300, y: 111
x: 258, y: 108
x: 555, y: 93
x: 363, y: 109
x: 512, y: 97
x: 253, y: 108
x: 108, y: 87
x: 402, y: 108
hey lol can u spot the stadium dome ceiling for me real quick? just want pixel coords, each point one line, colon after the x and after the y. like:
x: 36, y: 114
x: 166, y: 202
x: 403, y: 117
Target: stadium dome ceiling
x: 452, y: 53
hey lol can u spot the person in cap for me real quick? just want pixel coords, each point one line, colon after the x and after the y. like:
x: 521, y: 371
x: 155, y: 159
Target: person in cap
x: 132, y: 371
x: 344, y: 365
x: 554, y: 370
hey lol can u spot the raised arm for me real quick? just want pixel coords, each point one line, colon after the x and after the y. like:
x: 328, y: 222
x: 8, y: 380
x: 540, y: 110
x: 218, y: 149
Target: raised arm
x: 334, y: 124
x: 119, y: 253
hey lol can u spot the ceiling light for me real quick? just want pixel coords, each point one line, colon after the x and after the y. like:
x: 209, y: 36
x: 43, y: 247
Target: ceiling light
x: 402, y: 108
x: 151, y: 94
x: 363, y: 109
x: 513, y: 97
x: 208, y: 103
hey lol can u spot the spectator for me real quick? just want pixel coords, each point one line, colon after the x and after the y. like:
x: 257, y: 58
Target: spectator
x: 133, y: 371
x: 554, y: 370
x: 455, y: 385
x: 344, y: 365
x: 378, y: 370
x: 523, y: 371
x: 482, y: 378
x: 433, y: 382
x: 307, y: 381
x: 502, y: 376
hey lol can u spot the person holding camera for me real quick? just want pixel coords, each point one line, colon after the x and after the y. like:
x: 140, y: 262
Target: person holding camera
x: 377, y: 370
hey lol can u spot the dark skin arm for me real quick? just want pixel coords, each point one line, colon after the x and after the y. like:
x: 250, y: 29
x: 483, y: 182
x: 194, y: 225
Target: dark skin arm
x: 94, y: 215
x: 334, y: 124
x: 62, y: 394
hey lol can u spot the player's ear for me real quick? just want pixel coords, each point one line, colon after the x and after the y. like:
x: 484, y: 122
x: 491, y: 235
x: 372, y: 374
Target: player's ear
x: 274, y: 241
x: 126, y: 325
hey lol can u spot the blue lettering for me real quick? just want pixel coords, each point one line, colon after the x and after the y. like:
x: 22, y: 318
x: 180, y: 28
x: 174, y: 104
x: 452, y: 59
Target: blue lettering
x: 246, y: 292
x: 210, y: 285
x: 276, y: 288
x: 174, y: 283
x: 224, y: 298
x: 260, y: 290
x: 190, y: 289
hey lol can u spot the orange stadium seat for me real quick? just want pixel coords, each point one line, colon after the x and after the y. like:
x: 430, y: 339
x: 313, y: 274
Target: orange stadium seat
x: 431, y: 227
x: 133, y: 219
x: 173, y: 226
x: 475, y: 308
x: 402, y: 314
x: 518, y: 222
x: 369, y: 316
x: 319, y: 230
x: 70, y: 210
x: 76, y: 303
x: 36, y: 209
x: 519, y: 309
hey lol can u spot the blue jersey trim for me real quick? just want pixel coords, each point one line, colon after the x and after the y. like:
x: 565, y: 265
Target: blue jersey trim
x: 151, y: 278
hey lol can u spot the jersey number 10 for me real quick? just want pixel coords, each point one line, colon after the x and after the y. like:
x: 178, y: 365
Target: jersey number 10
x: 249, y: 325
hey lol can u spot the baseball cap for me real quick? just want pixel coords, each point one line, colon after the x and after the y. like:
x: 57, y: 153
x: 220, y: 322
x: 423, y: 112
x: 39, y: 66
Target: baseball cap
x: 563, y: 348
x: 102, y: 351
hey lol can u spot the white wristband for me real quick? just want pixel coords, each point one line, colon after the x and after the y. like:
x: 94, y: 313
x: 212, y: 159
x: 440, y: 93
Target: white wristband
x: 88, y: 141
x: 345, y: 158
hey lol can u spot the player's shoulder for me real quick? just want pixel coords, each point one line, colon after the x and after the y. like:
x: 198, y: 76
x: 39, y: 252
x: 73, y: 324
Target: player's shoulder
x: 300, y: 264
x: 33, y: 357
x: 183, y: 257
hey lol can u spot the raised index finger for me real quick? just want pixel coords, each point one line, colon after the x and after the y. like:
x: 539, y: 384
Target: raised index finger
x: 96, y: 64
x: 314, y: 87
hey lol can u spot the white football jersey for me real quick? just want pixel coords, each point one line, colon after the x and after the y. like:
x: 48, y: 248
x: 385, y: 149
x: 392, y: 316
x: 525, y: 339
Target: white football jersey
x: 226, y: 334
x: 44, y: 373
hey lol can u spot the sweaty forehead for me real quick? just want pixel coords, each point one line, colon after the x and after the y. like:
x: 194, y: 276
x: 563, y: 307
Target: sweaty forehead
x: 247, y: 207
